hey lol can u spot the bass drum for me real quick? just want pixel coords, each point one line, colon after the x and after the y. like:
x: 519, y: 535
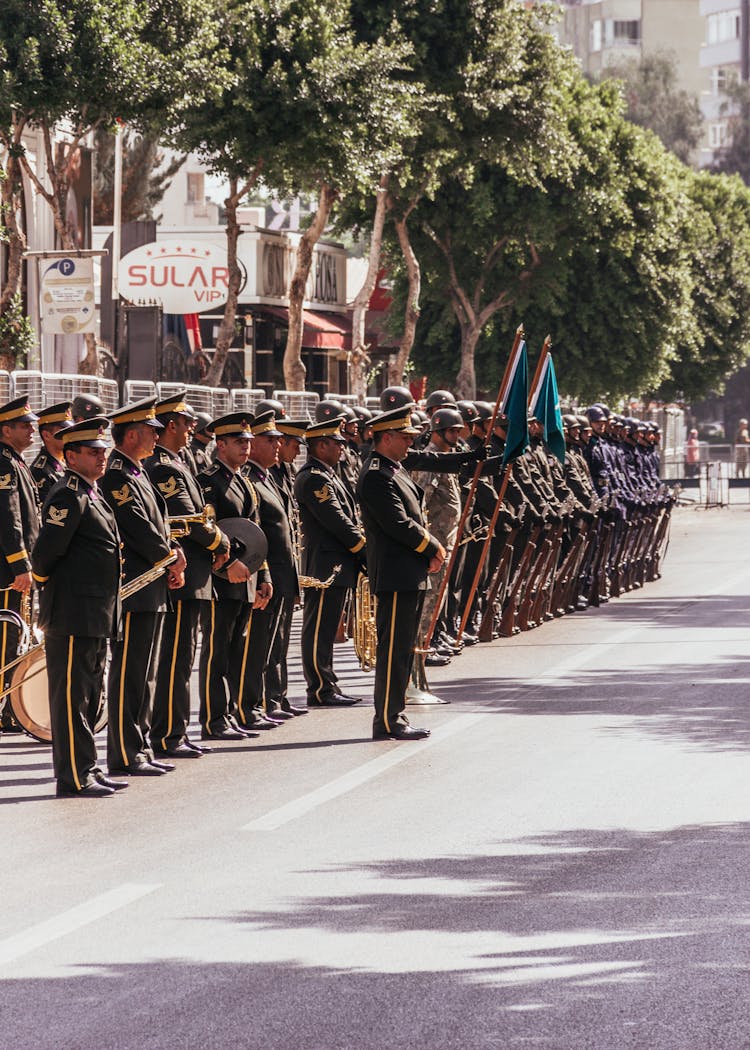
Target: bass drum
x: 29, y: 697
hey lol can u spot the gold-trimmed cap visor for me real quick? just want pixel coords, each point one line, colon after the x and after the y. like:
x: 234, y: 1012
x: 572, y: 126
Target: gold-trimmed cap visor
x: 17, y: 411
x: 139, y: 412
x: 397, y: 419
x: 236, y: 424
x: 89, y: 432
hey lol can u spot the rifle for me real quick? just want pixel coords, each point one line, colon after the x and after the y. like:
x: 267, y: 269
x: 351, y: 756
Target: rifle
x: 530, y: 591
x: 507, y: 626
x: 565, y: 574
x: 600, y: 585
x: 540, y: 610
x: 500, y: 579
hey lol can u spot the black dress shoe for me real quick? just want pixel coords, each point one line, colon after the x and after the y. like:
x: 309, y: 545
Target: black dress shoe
x: 260, y: 723
x: 142, y: 769
x: 469, y: 639
x: 435, y: 659
x: 400, y: 732
x: 116, y: 785
x: 223, y: 733
x: 279, y: 715
x: 197, y: 747
x: 286, y: 706
x: 166, y: 767
x: 90, y: 790
x: 181, y: 750
x: 336, y: 700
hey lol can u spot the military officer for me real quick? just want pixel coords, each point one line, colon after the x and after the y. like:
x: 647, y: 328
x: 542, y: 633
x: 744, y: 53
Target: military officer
x: 76, y: 561
x: 201, y: 438
x: 19, y: 520
x: 400, y: 554
x: 223, y: 669
x: 141, y: 513
x: 49, y: 466
x: 284, y: 474
x: 331, y: 537
x: 205, y: 546
x: 275, y: 522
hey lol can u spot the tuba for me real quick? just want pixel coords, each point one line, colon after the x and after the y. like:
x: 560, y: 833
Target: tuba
x: 364, y: 634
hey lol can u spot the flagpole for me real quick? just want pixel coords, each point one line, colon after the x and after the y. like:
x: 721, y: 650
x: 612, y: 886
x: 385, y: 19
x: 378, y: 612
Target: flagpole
x: 543, y: 356
x: 541, y: 364
x: 501, y: 395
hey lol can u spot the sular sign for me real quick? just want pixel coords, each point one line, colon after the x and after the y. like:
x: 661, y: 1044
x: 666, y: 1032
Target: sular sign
x: 185, y: 278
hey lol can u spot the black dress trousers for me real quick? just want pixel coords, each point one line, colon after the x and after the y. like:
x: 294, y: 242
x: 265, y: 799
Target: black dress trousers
x: 75, y: 671
x: 397, y: 617
x: 321, y: 616
x: 130, y: 689
x: 223, y: 661
x: 179, y: 640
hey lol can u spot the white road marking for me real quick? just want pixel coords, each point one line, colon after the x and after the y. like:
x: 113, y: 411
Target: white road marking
x: 73, y: 919
x: 299, y: 806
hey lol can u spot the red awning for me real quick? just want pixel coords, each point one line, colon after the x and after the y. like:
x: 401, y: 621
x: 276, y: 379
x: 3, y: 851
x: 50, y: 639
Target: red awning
x: 320, y: 331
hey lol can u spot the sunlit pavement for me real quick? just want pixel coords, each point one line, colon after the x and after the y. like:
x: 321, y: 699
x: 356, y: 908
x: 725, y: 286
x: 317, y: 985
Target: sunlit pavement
x: 563, y: 864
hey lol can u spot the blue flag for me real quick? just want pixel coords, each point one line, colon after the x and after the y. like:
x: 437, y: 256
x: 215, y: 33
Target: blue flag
x: 547, y: 411
x: 516, y: 408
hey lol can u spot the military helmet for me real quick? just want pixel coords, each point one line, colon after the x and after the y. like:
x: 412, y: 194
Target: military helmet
x: 395, y: 397
x: 595, y: 413
x: 270, y: 404
x: 468, y: 411
x: 350, y: 416
x: 484, y: 410
x: 583, y: 422
x: 364, y: 415
x: 571, y: 421
x: 439, y: 399
x: 328, y: 409
x: 444, y: 418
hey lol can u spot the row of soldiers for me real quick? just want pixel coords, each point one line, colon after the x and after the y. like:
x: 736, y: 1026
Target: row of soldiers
x: 93, y: 530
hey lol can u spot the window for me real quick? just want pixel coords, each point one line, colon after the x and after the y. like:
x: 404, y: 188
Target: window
x: 196, y: 193
x: 718, y: 134
x: 723, y: 25
x: 627, y: 31
x: 596, y: 35
x: 719, y: 80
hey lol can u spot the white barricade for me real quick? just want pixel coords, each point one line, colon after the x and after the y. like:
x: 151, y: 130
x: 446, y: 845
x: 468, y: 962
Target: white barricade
x: 299, y: 404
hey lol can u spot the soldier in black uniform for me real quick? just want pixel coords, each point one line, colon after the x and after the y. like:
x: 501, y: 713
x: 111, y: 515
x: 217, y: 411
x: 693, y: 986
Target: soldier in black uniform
x: 49, y: 466
x: 200, y: 441
x: 223, y: 674
x: 274, y: 520
x: 19, y: 521
x: 400, y: 554
x: 204, y: 546
x: 284, y: 474
x: 331, y: 536
x: 141, y: 515
x: 76, y: 561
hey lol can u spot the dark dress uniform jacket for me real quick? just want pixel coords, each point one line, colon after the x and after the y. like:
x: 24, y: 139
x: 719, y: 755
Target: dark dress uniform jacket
x: 331, y: 535
x: 183, y: 496
x: 76, y: 561
x: 19, y: 516
x: 232, y: 496
x: 399, y: 547
x: 274, y: 521
x: 141, y: 515
x: 46, y: 471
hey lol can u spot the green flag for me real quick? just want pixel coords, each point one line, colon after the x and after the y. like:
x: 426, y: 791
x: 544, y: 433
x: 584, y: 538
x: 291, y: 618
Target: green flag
x: 516, y: 407
x: 547, y: 411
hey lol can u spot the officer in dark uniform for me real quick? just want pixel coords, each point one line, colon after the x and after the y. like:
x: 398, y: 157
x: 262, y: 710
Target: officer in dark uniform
x: 76, y: 561
x: 204, y: 546
x: 331, y: 536
x: 400, y: 554
x: 19, y: 521
x: 141, y: 513
x: 274, y: 520
x: 223, y: 670
x: 48, y: 466
x: 284, y: 474
x: 200, y: 441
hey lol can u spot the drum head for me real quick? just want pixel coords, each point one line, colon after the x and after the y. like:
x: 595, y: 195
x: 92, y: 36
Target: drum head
x: 29, y: 697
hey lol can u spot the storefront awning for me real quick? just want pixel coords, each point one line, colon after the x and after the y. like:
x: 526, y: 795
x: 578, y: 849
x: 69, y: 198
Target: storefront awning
x: 320, y: 331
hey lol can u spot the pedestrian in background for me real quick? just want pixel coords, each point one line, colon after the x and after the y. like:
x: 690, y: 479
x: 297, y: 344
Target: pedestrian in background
x: 692, y: 455
x: 741, y: 441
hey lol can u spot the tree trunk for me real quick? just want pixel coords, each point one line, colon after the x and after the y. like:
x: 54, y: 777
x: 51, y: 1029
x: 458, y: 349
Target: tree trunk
x: 466, y: 380
x: 10, y: 190
x: 227, y: 327
x: 360, y: 359
x: 294, y: 369
x: 411, y: 313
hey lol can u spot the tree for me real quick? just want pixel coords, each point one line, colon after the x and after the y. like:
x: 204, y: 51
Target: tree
x: 309, y: 108
x: 145, y: 178
x: 77, y: 65
x: 734, y: 157
x: 654, y: 100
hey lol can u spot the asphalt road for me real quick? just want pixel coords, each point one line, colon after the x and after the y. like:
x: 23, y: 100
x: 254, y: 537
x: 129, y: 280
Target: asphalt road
x: 563, y: 864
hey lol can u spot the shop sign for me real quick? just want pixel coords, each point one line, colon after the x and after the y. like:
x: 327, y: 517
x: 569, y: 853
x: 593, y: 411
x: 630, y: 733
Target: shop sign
x: 66, y: 292
x: 184, y: 277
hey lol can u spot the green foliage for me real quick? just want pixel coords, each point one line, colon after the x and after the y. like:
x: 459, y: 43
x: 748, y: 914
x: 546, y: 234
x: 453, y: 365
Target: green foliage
x: 734, y: 158
x: 17, y: 335
x: 653, y: 100
x: 145, y: 178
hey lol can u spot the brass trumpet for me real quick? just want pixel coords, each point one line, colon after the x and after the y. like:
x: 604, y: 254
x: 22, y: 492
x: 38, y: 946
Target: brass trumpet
x: 364, y: 633
x: 127, y: 590
x: 179, y: 524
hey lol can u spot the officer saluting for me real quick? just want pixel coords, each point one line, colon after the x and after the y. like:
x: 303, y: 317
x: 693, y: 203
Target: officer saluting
x: 76, y: 563
x: 400, y: 554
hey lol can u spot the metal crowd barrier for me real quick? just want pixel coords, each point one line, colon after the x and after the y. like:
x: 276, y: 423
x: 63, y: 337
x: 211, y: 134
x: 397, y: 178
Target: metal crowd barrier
x: 246, y: 400
x: 299, y: 404
x: 137, y: 390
